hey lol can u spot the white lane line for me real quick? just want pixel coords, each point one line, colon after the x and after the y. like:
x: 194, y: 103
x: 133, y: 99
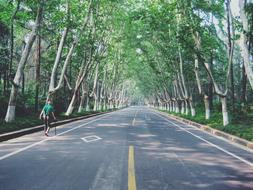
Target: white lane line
x: 133, y: 122
x: 47, y: 139
x: 208, y: 142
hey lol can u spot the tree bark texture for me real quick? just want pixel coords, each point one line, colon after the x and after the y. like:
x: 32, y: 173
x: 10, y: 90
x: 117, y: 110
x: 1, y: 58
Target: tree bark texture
x: 10, y: 115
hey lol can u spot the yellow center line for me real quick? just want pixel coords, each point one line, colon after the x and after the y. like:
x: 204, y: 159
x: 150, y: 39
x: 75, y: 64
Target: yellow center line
x: 131, y: 170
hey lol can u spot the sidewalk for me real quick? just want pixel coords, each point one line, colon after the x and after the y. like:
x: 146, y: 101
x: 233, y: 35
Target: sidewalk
x: 15, y: 134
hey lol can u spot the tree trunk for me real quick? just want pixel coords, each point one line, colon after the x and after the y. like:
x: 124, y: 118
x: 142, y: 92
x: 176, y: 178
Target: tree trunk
x: 57, y: 60
x: 186, y: 107
x: 176, y: 106
x: 244, y: 45
x: 210, y: 85
x: 167, y: 107
x: 23, y: 84
x: 52, y: 88
x: 224, y: 111
x: 243, y: 86
x: 11, y: 110
x: 110, y: 103
x: 12, y: 41
x: 59, y: 53
x: 87, y: 107
x: 232, y: 88
x: 81, y: 77
x: 98, y: 98
x: 193, y: 112
x: 182, y: 107
x: 95, y: 95
x: 104, y: 104
x: 207, y: 107
x: 37, y: 72
x: 230, y: 52
x: 196, y: 71
x: 71, y: 105
x: 10, y: 115
x: 84, y: 93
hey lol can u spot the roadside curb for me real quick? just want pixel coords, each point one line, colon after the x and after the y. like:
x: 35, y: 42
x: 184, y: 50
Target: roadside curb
x: 208, y: 129
x: 15, y: 134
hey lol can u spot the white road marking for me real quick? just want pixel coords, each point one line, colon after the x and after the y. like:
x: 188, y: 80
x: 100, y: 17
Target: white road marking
x: 91, y: 138
x: 133, y: 122
x: 208, y: 142
x: 193, y: 128
x: 22, y: 149
x: 47, y: 139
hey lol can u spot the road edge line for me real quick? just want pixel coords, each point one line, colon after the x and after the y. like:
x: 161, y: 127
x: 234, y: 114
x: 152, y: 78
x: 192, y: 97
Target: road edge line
x: 15, y: 134
x: 242, y: 143
x: 47, y: 139
x: 208, y: 142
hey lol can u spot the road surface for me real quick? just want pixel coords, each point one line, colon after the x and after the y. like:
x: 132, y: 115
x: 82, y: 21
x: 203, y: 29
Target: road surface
x: 131, y: 149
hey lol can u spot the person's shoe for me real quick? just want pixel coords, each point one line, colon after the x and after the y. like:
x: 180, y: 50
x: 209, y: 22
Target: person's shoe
x: 46, y: 134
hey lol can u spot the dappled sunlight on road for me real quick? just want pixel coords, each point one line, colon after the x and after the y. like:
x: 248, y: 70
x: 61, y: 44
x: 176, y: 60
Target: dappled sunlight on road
x: 187, y: 162
x: 165, y: 156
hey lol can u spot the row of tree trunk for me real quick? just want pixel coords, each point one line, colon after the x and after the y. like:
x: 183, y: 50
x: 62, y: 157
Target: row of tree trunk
x: 106, y: 93
x: 179, y: 98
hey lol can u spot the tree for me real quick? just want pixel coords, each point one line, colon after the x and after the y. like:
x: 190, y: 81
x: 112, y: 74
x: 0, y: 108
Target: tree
x: 10, y: 115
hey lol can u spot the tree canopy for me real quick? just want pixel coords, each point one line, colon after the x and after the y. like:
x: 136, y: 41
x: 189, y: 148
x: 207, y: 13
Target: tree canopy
x: 100, y: 54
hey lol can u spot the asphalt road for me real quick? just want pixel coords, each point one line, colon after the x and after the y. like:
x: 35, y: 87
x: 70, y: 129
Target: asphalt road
x: 134, y: 148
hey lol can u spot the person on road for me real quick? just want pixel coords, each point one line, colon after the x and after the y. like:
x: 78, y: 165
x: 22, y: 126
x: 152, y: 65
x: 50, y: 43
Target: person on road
x: 46, y: 114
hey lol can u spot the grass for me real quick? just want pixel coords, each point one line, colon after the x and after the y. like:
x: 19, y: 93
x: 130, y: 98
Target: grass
x: 33, y: 120
x: 241, y: 125
x: 20, y: 123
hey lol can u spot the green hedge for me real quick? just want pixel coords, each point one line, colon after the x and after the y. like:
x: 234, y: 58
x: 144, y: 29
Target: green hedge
x: 241, y: 125
x: 33, y: 120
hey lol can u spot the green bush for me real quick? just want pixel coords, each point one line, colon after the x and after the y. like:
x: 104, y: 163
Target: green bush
x: 33, y: 120
x: 241, y: 125
x: 20, y: 123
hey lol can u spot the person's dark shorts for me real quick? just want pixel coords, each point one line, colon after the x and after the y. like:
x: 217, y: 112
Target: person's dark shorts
x: 47, y: 121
